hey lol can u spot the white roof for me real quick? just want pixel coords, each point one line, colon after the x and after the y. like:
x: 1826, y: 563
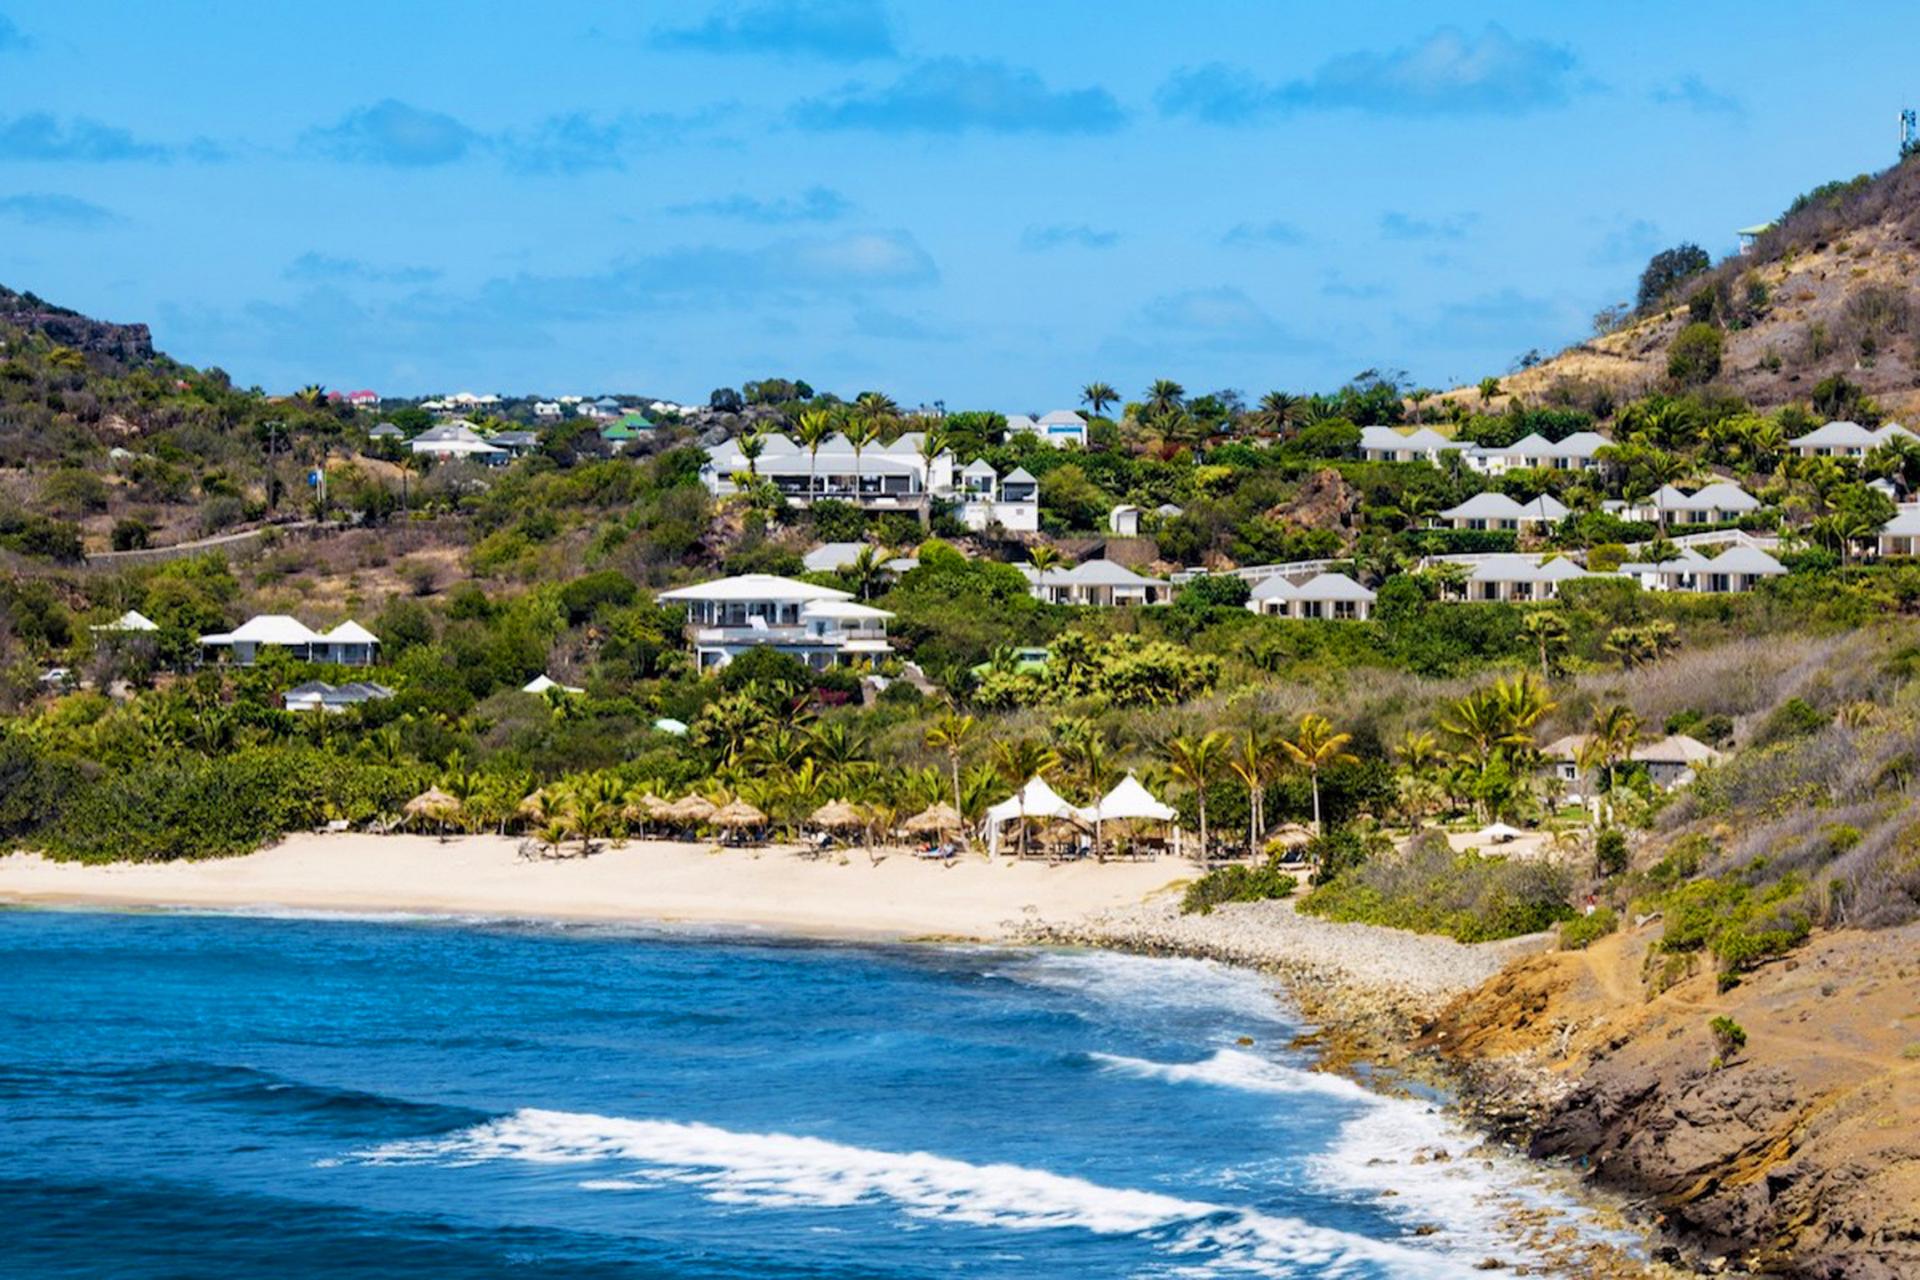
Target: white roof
x: 350, y: 632
x: 1021, y: 422
x: 1097, y: 573
x: 1498, y: 506
x: 1062, y: 418
x: 1904, y: 525
x: 1422, y: 439
x: 1129, y: 799
x: 1332, y: 586
x: 1747, y: 560
x: 1581, y: 444
x: 843, y: 610
x: 1274, y: 588
x: 267, y: 628
x: 829, y: 556
x: 1035, y: 800
x: 755, y: 586
x: 978, y: 467
x: 543, y: 682
x: 1840, y: 433
x: 1020, y: 475
x: 1525, y: 569
x: 131, y: 620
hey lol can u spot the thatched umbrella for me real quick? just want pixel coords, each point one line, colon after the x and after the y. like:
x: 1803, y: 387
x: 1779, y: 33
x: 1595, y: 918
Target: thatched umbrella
x: 647, y: 808
x: 689, y: 810
x: 738, y: 816
x: 433, y: 803
x: 938, y: 820
x: 837, y: 815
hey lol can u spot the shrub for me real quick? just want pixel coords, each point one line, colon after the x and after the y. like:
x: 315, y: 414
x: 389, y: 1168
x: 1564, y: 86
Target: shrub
x: 1729, y: 1037
x: 131, y: 534
x: 1428, y: 888
x: 1794, y: 718
x: 1237, y: 883
x: 1582, y: 932
x: 1610, y: 852
x: 1694, y: 356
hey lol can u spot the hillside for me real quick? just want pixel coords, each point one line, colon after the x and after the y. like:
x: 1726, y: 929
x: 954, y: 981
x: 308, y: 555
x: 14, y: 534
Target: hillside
x: 1830, y: 290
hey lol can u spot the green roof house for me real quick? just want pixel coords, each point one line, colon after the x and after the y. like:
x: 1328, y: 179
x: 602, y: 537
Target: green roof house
x: 623, y: 432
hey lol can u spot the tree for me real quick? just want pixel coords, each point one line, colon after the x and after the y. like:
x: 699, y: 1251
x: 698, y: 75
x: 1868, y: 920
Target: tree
x: 861, y: 432
x: 1252, y: 763
x: 1044, y: 558
x: 726, y: 400
x: 1195, y: 762
x: 1694, y: 355
x: 815, y: 429
x: 868, y: 566
x: 1667, y: 269
x: 1489, y: 388
x: 951, y: 733
x: 1610, y: 742
x: 752, y: 445
x: 1165, y: 396
x: 933, y: 442
x: 1099, y: 395
x: 1547, y: 628
x: 1313, y: 747
x: 1277, y: 411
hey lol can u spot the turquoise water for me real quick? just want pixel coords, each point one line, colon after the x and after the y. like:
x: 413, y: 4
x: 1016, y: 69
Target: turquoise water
x: 222, y: 1096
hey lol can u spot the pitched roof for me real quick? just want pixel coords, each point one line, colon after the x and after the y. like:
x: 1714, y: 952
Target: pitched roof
x: 978, y: 467
x: 1062, y: 418
x: 1747, y: 560
x: 350, y: 632
x: 755, y: 586
x: 1525, y: 569
x: 1837, y: 433
x: 1498, y: 506
x: 830, y: 556
x: 1276, y: 587
x: 1020, y: 475
x: 1333, y: 586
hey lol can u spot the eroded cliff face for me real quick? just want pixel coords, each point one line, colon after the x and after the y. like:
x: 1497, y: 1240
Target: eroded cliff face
x: 130, y: 344
x: 1798, y: 1153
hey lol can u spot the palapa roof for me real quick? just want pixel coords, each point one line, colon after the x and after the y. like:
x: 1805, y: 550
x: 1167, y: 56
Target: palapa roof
x: 431, y: 801
x: 935, y: 818
x: 738, y: 813
x: 837, y: 815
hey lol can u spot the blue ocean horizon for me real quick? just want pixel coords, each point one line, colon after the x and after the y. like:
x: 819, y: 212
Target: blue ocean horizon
x: 241, y: 1096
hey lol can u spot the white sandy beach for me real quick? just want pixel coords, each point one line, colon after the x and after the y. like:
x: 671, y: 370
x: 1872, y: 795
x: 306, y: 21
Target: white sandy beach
x: 644, y: 880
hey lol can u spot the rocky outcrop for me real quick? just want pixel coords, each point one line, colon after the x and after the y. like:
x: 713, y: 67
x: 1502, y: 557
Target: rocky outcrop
x: 130, y: 344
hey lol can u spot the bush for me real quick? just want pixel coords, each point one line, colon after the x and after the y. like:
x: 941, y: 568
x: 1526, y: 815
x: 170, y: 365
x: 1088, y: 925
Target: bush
x: 1794, y: 718
x: 1610, y: 852
x: 1582, y: 932
x: 1428, y: 888
x: 1729, y: 1037
x: 131, y: 534
x: 1237, y: 883
x: 1694, y: 356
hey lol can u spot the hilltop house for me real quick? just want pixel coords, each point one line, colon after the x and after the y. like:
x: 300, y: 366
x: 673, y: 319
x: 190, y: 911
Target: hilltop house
x: 386, y: 431
x: 1670, y: 762
x: 987, y: 500
x: 349, y: 644
x: 1096, y: 582
x: 1900, y: 536
x: 1060, y: 428
x: 1325, y: 595
x: 1498, y: 511
x: 625, y: 431
x: 1843, y: 439
x: 457, y: 439
x: 1722, y: 502
x: 1534, y: 451
x: 878, y: 477
x: 1737, y: 569
x: 1520, y: 579
x: 1389, y: 444
x: 821, y: 626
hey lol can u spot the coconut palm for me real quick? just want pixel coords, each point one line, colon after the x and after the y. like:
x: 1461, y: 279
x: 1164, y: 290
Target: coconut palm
x: 1316, y: 746
x: 1164, y: 396
x: 1252, y: 762
x: 1044, y: 558
x: 752, y: 445
x: 1099, y: 395
x: 868, y: 567
x: 861, y: 432
x: 934, y: 441
x: 1547, y: 628
x: 1615, y: 730
x: 1194, y: 762
x: 814, y: 430
x: 951, y: 733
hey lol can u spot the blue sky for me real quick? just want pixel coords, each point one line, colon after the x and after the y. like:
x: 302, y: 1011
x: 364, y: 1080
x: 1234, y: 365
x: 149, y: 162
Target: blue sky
x: 988, y: 204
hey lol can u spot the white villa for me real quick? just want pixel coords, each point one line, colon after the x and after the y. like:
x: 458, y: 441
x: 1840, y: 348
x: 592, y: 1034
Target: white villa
x: 987, y: 500
x: 1575, y: 453
x: 348, y: 644
x: 878, y: 477
x: 1900, y: 536
x: 1325, y: 595
x: 1097, y: 582
x: 1060, y: 428
x: 1520, y: 579
x: 458, y: 439
x: 1734, y: 570
x: 821, y: 626
x: 1722, y: 502
x: 1846, y: 440
x: 1389, y: 444
x: 1498, y: 511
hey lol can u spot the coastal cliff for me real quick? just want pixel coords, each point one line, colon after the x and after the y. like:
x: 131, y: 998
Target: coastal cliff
x: 1795, y: 1153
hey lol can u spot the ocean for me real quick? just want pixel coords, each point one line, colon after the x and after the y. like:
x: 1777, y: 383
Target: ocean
x: 214, y: 1096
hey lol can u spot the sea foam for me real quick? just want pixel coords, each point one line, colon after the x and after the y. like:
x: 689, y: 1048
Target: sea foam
x: 772, y: 1170
x: 1237, y: 1069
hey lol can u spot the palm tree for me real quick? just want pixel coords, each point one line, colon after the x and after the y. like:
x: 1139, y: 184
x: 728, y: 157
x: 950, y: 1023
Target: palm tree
x: 815, y: 429
x: 752, y: 445
x: 1017, y: 761
x: 1277, y: 409
x: 1615, y: 729
x: 876, y: 404
x: 1164, y: 396
x: 1044, y: 559
x: 864, y: 573
x: 1547, y: 628
x: 1099, y: 395
x: 934, y: 441
x: 1196, y: 762
x: 861, y: 432
x: 1252, y: 763
x: 1315, y: 746
x: 950, y: 733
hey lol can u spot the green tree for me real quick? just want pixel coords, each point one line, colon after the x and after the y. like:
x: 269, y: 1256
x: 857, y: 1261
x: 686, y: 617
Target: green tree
x: 1099, y: 395
x: 1694, y: 355
x: 1313, y: 747
x: 1195, y: 762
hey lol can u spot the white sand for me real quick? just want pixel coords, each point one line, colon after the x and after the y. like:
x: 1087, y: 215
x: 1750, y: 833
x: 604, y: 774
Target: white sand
x: 901, y: 896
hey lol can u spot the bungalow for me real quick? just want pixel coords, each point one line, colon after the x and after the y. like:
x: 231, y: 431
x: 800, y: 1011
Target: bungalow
x: 625, y: 431
x: 1846, y: 440
x: 1325, y: 595
x: 516, y: 443
x: 821, y: 626
x: 1737, y: 569
x: 1670, y: 762
x: 318, y: 695
x: 1097, y: 582
x: 457, y: 439
x: 548, y: 410
x: 1722, y: 502
x: 1498, y: 511
x: 1390, y: 444
x: 386, y: 431
x: 1520, y: 579
x: 986, y: 500
x: 1534, y: 451
x: 349, y: 644
x: 1900, y: 536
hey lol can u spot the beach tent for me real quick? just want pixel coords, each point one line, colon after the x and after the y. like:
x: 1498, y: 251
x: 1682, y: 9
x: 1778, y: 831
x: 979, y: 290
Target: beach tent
x: 1129, y: 801
x: 1035, y: 800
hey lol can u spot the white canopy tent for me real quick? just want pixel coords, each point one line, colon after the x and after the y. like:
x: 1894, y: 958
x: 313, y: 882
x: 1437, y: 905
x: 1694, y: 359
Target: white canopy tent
x: 1129, y: 801
x: 1035, y: 800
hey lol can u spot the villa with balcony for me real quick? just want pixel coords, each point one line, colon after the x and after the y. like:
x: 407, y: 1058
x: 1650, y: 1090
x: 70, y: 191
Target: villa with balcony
x: 876, y: 477
x: 349, y: 644
x: 987, y: 500
x: 821, y: 626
